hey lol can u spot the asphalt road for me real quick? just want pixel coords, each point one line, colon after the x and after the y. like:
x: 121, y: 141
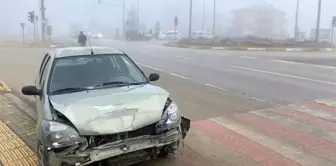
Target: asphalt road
x: 274, y: 77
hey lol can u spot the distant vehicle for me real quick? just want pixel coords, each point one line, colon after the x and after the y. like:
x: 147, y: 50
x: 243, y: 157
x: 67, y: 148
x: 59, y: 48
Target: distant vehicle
x: 209, y: 36
x: 162, y: 35
x: 95, y: 35
x: 172, y: 35
x: 200, y: 35
x: 137, y: 36
x: 96, y: 105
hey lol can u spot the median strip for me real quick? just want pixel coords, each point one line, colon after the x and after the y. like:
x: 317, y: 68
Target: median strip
x: 246, y: 48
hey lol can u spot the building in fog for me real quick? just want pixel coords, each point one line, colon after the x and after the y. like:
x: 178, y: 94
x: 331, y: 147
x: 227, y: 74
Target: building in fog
x: 325, y: 34
x: 261, y: 20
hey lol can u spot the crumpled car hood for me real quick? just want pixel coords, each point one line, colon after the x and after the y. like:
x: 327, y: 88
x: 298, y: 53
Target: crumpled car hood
x: 115, y: 110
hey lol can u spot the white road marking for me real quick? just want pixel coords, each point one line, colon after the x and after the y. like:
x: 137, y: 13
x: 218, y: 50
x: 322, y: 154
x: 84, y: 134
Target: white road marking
x: 261, y: 100
x: 213, y: 86
x: 176, y: 75
x: 154, y: 68
x: 183, y: 57
x: 286, y: 75
x: 281, y: 61
x: 248, y: 57
x: 299, y: 63
x: 221, y: 54
x: 328, y: 67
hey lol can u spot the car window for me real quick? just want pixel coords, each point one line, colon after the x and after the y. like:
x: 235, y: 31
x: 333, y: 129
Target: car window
x: 89, y: 71
x: 43, y: 72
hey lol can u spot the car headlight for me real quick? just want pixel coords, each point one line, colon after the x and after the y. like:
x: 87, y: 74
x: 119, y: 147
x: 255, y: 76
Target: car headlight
x: 58, y: 135
x: 170, y: 118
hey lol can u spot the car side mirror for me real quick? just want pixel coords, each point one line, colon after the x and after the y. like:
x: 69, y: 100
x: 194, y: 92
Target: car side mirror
x: 30, y: 90
x: 154, y: 77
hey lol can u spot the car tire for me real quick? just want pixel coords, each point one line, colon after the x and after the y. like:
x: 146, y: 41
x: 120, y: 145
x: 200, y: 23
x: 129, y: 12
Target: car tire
x: 42, y: 155
x: 169, y: 150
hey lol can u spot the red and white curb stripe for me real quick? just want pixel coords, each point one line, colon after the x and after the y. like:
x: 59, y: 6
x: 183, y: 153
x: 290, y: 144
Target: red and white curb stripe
x: 300, y: 134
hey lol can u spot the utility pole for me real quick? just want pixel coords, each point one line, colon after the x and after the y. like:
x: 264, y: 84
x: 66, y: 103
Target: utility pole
x: 123, y: 19
x: 43, y: 19
x: 296, y: 20
x: 138, y: 17
x: 203, y: 19
x: 214, y: 20
x: 317, y: 35
x: 190, y: 19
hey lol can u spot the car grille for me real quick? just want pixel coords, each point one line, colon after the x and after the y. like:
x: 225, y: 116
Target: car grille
x: 147, y: 130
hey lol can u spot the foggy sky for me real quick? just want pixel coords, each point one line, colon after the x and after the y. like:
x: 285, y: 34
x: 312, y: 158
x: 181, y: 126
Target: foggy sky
x: 62, y: 13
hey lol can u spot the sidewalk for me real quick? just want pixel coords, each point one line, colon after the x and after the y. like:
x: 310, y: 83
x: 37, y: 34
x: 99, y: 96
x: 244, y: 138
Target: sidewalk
x: 245, y: 48
x: 17, y: 134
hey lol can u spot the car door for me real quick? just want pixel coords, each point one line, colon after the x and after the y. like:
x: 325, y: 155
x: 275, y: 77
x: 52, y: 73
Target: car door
x: 40, y: 84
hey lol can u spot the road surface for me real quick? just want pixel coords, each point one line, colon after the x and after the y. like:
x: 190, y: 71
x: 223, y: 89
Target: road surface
x: 235, y: 100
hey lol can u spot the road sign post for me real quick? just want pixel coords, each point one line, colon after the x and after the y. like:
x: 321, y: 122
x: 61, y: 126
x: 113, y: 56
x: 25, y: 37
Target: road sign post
x: 23, y: 35
x: 49, y: 31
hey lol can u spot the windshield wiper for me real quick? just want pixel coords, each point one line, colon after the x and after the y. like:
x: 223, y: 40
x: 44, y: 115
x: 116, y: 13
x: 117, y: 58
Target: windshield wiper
x: 118, y: 83
x: 76, y: 89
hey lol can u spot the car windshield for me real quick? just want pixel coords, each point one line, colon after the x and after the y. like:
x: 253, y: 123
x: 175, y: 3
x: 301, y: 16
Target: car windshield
x: 89, y: 72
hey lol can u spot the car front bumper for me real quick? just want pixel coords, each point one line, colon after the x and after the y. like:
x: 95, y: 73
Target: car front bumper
x: 115, y: 149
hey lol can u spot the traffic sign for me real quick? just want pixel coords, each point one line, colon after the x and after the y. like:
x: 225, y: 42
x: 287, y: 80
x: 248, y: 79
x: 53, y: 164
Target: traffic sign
x: 22, y: 25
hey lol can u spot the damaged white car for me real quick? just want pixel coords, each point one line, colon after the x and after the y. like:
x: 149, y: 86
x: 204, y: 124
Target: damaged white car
x: 96, y: 106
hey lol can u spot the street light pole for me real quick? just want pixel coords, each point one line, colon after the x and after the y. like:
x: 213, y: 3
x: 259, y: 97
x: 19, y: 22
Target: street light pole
x: 296, y: 20
x: 203, y: 19
x: 317, y: 36
x: 123, y: 19
x: 43, y: 20
x: 214, y: 20
x: 190, y: 19
x: 138, y: 17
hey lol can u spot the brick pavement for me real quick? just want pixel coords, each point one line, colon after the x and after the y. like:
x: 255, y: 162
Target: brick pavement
x: 17, y: 135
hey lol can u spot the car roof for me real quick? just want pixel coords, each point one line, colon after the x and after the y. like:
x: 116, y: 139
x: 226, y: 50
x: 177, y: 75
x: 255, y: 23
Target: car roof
x: 78, y: 51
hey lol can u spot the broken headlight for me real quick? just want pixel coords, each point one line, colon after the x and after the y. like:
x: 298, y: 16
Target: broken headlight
x: 170, y: 118
x: 58, y: 135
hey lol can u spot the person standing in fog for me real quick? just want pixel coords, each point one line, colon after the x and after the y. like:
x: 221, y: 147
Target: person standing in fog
x: 82, y: 39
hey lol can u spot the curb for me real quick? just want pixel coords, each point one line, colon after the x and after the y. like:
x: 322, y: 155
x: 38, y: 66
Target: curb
x: 253, y: 48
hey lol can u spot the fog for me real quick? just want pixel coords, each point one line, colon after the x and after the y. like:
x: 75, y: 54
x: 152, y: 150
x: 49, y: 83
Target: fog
x: 106, y: 18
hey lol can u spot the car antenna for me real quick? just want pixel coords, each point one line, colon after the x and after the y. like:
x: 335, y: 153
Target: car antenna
x: 89, y: 43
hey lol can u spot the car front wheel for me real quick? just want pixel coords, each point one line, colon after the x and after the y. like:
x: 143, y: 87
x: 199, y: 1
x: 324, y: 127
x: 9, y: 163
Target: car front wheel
x: 42, y: 155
